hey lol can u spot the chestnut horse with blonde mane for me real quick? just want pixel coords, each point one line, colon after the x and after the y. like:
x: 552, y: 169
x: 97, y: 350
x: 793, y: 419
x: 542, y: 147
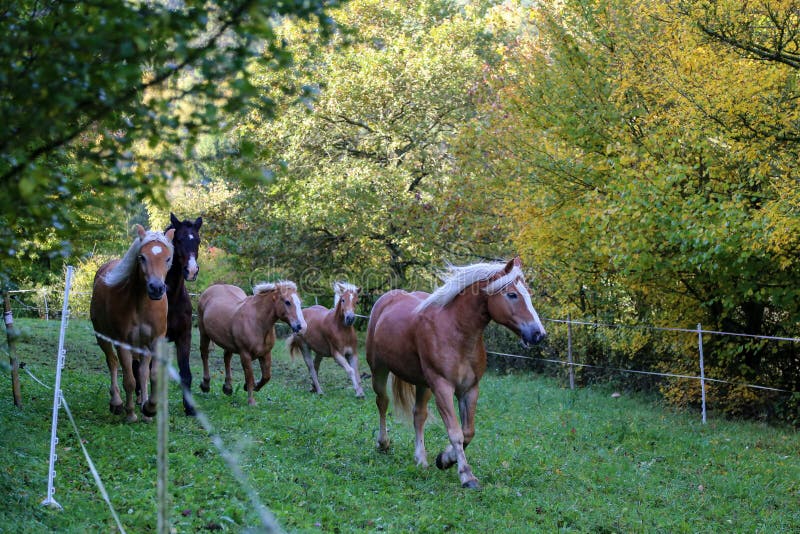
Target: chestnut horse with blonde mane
x: 128, y: 311
x: 245, y: 325
x: 433, y: 345
x: 330, y: 333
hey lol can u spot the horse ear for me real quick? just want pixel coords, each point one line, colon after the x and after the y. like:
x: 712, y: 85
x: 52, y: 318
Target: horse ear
x: 514, y: 262
x: 140, y: 231
x: 173, y: 220
x: 198, y: 223
x: 170, y: 234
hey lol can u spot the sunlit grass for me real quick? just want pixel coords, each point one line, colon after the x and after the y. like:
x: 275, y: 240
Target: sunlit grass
x: 548, y: 459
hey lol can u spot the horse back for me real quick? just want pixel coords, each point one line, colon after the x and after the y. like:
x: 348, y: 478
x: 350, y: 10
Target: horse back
x: 392, y: 336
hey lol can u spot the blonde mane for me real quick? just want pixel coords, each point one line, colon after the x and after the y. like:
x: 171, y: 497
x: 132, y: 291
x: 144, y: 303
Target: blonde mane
x: 265, y: 287
x: 457, y: 279
x: 339, y: 288
x: 123, y: 270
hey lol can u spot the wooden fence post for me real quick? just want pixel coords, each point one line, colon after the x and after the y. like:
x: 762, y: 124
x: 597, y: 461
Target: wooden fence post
x: 161, y: 393
x: 11, y: 334
x: 569, y: 352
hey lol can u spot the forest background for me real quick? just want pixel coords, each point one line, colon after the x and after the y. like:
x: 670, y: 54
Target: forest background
x: 641, y: 157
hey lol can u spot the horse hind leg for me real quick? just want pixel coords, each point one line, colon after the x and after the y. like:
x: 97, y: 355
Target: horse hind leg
x: 423, y: 395
x: 205, y: 342
x: 379, y: 380
x: 182, y: 348
x: 227, y: 386
x: 313, y: 366
x: 249, y: 380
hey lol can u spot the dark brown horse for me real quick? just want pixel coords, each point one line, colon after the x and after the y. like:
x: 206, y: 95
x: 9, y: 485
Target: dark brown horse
x: 128, y: 306
x: 179, y: 319
x: 433, y: 344
x: 245, y: 325
x: 330, y: 333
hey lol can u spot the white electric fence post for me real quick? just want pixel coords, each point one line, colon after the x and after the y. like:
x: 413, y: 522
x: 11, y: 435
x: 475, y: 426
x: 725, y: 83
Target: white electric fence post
x: 569, y: 352
x: 51, y: 474
x: 702, y: 371
x: 161, y: 393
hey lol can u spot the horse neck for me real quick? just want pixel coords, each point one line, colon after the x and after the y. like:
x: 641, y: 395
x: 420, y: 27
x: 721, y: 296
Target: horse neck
x: 174, y: 279
x: 469, y: 312
x: 265, y: 309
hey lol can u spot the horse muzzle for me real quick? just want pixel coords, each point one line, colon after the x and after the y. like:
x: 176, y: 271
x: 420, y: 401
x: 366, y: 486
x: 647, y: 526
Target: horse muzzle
x: 349, y: 318
x: 298, y: 328
x: 191, y: 270
x: 156, y: 291
x: 531, y: 334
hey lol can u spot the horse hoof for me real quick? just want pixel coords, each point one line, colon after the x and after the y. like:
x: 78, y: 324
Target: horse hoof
x: 148, y: 410
x: 471, y: 484
x: 360, y: 395
x: 131, y: 418
x: 227, y: 389
x: 146, y: 419
x: 251, y: 402
x: 440, y: 463
x: 116, y: 409
x: 190, y: 411
x: 204, y: 387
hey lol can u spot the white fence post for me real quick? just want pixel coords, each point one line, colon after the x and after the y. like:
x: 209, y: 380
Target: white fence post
x: 569, y: 352
x: 702, y: 371
x: 161, y: 394
x: 51, y: 474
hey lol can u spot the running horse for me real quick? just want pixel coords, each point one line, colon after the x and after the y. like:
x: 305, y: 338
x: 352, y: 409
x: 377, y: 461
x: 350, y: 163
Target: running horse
x: 128, y: 311
x: 330, y: 333
x: 432, y: 344
x: 179, y: 319
x: 244, y: 325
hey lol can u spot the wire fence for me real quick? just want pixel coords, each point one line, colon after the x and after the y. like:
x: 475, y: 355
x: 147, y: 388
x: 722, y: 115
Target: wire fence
x: 268, y: 522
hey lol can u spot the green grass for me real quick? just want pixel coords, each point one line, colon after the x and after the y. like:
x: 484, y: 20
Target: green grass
x: 548, y: 459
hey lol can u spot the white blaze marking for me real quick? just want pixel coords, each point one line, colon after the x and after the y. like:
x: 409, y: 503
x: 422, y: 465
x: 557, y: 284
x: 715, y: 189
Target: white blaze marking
x: 156, y: 249
x: 526, y: 296
x: 191, y: 237
x: 192, y: 264
x: 299, y: 311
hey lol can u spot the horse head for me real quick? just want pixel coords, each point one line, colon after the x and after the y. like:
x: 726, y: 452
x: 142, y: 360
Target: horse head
x: 187, y: 243
x: 345, y: 300
x: 510, y: 304
x: 155, y: 259
x: 288, y: 307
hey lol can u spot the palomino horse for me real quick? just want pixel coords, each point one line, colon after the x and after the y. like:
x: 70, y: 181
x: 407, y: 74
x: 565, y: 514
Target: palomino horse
x: 330, y: 333
x: 244, y: 325
x: 434, y: 344
x: 128, y: 306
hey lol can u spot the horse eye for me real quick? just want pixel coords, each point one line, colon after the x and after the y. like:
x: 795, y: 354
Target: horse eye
x: 142, y: 258
x: 512, y: 296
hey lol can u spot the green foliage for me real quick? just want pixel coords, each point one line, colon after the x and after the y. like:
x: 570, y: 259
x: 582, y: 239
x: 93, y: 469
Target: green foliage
x: 548, y: 459
x: 84, y: 87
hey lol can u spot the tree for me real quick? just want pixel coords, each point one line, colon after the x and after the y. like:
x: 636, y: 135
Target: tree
x: 82, y: 82
x: 364, y: 171
x: 657, y: 175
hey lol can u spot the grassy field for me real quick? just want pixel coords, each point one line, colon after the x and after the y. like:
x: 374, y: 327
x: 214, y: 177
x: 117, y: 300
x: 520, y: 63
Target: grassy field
x: 548, y: 459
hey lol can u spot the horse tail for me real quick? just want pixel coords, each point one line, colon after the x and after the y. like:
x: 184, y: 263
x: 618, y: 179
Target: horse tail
x: 294, y: 345
x: 404, y: 397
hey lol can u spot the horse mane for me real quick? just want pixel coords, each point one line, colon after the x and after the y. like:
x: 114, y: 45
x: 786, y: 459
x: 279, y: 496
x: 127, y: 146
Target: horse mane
x: 340, y: 287
x: 457, y: 279
x: 126, y: 265
x: 266, y: 287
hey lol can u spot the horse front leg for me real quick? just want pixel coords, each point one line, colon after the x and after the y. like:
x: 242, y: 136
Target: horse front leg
x: 249, y: 379
x: 205, y: 341
x: 115, y: 404
x: 128, y: 383
x: 352, y: 373
x: 466, y: 410
x: 146, y: 370
x: 423, y: 395
x: 266, y: 370
x: 182, y: 347
x: 454, y: 453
